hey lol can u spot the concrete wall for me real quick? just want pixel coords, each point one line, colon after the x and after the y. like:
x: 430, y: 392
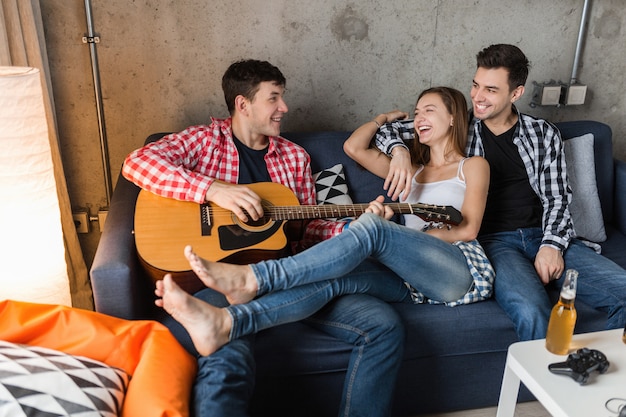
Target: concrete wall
x: 161, y: 63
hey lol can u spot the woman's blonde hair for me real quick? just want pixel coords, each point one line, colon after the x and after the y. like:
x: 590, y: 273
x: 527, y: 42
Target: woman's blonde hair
x: 457, y: 106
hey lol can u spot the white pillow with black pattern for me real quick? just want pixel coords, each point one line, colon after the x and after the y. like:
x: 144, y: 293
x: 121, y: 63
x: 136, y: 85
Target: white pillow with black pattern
x: 37, y: 381
x: 331, y: 186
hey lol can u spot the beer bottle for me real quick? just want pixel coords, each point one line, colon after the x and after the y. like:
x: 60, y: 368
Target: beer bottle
x: 563, y: 317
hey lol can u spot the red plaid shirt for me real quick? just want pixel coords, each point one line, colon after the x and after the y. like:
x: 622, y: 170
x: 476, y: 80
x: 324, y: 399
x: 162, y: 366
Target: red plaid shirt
x: 183, y: 166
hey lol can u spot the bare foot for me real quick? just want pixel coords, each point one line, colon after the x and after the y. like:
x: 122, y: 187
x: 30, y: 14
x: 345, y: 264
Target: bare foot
x: 237, y: 282
x: 208, y: 326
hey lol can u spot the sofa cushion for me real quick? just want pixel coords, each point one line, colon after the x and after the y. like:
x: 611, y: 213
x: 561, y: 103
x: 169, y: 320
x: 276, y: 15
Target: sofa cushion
x: 40, y: 381
x: 331, y: 186
x: 603, y: 157
x: 585, y: 206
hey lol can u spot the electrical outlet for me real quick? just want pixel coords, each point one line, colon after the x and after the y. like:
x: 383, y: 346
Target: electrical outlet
x: 575, y: 95
x: 550, y: 95
x: 546, y: 94
x: 81, y: 221
x: 102, y: 217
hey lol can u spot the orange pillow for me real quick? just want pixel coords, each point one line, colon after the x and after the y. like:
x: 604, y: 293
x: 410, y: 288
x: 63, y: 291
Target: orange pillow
x: 162, y: 371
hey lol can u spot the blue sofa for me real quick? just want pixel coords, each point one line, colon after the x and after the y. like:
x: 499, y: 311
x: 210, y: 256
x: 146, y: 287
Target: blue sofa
x: 454, y: 357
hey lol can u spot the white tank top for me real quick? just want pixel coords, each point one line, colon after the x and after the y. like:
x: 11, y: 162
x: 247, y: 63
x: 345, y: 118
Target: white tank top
x: 449, y: 192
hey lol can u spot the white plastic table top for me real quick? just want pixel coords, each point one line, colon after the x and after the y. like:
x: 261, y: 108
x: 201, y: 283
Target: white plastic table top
x: 561, y: 395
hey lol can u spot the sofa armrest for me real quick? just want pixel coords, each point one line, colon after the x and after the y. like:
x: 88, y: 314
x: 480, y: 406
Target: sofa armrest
x: 119, y: 284
x: 620, y: 195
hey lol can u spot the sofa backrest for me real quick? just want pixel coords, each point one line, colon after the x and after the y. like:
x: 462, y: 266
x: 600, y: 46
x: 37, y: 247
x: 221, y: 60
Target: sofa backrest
x: 326, y: 150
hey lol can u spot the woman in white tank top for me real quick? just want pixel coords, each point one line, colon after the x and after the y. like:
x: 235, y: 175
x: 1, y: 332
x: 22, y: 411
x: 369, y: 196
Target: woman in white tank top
x: 429, y: 263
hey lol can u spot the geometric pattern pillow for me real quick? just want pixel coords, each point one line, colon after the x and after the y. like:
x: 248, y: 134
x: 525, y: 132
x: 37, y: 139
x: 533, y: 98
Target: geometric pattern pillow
x: 37, y: 381
x: 331, y: 186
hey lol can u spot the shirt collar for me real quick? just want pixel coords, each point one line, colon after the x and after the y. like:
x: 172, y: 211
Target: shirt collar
x: 226, y: 127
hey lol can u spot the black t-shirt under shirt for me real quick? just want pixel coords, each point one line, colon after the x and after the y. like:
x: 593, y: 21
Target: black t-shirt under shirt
x: 511, y: 202
x: 252, y: 166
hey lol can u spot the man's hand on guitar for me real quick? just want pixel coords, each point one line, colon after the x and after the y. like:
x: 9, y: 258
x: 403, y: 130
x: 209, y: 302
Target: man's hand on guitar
x: 237, y: 198
x: 377, y: 207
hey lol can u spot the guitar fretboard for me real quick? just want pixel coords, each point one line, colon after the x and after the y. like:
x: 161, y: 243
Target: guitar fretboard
x: 427, y: 212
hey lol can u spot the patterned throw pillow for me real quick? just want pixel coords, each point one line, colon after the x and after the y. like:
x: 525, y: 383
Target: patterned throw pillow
x: 331, y: 186
x: 36, y: 381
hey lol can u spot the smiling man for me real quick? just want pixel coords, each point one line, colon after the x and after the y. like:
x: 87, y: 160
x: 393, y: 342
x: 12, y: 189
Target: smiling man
x: 527, y: 230
x: 213, y: 163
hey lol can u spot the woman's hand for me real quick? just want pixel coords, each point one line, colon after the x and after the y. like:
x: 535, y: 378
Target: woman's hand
x: 400, y: 173
x: 400, y: 169
x: 357, y: 147
x: 377, y: 207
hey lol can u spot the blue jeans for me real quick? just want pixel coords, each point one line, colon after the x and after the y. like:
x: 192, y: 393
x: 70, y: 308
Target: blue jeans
x: 520, y: 292
x: 376, y: 334
x: 225, y: 380
x: 301, y: 285
x: 435, y: 268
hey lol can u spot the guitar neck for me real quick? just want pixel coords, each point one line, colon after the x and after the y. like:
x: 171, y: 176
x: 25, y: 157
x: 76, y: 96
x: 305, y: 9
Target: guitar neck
x: 349, y: 210
x: 315, y: 212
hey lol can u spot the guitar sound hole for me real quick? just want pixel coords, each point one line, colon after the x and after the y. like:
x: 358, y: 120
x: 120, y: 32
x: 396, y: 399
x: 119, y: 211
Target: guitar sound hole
x: 256, y: 223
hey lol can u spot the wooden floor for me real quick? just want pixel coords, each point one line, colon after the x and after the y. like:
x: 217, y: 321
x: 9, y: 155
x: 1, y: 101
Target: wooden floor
x: 527, y: 409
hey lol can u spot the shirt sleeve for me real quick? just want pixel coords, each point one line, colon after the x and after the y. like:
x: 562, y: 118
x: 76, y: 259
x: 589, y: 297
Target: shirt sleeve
x: 166, y: 167
x: 319, y: 229
x: 393, y: 134
x: 474, y: 142
x: 554, y: 192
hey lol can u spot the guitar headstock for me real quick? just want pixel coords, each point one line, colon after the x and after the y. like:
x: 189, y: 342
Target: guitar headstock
x: 438, y: 214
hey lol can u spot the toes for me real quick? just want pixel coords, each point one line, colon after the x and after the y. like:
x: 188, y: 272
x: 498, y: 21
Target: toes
x: 189, y: 253
x: 169, y: 285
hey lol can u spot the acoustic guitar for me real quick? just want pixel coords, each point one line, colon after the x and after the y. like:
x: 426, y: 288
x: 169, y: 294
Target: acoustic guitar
x: 164, y: 226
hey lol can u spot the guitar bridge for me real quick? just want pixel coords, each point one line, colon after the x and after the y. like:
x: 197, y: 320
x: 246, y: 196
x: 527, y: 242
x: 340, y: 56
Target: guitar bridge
x: 205, y: 219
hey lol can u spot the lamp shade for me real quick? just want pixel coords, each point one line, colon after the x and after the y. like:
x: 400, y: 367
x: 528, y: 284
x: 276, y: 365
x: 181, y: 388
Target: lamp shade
x: 32, y: 251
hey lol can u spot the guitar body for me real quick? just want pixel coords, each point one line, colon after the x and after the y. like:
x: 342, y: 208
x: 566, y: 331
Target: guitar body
x: 164, y: 226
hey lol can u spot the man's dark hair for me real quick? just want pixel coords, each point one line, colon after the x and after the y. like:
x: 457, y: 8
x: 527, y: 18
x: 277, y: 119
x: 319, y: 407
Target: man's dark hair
x: 505, y: 56
x: 243, y: 78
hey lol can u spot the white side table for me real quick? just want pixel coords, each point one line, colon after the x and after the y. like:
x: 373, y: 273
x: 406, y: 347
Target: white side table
x: 561, y: 395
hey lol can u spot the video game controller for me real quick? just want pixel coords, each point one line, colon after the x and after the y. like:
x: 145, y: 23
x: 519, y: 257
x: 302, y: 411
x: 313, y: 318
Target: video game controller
x: 580, y: 363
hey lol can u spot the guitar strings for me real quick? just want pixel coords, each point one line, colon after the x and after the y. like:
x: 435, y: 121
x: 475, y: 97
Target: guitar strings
x: 330, y: 210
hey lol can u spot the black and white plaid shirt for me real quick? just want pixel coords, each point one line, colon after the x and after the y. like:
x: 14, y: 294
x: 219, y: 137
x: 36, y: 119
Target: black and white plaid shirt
x: 541, y: 149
